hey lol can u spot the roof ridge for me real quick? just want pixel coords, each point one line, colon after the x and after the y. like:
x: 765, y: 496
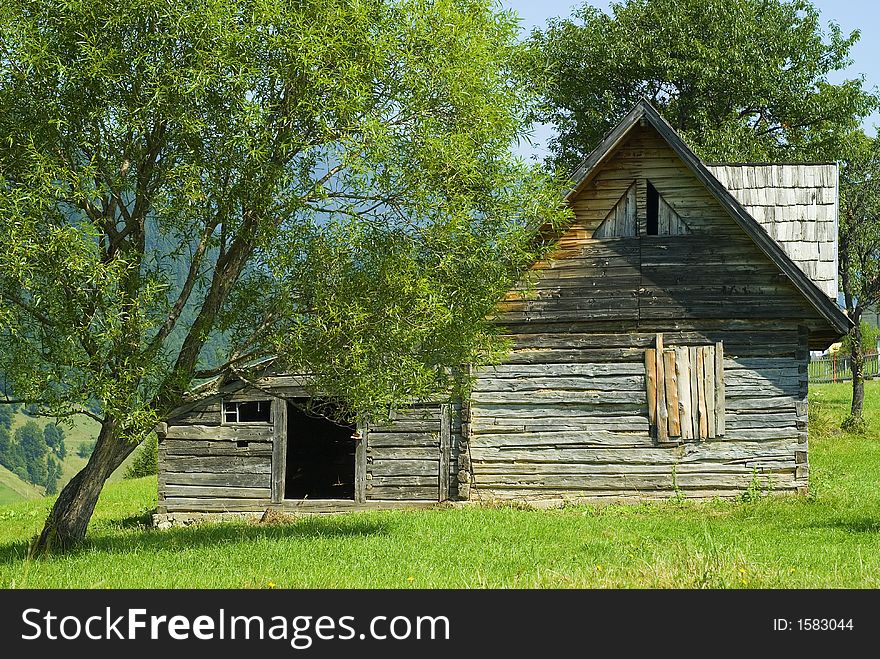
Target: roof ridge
x: 643, y: 109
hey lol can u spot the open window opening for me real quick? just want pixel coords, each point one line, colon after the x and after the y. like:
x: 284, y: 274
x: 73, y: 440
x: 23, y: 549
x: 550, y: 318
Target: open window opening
x: 320, y: 456
x: 652, y: 218
x: 252, y: 411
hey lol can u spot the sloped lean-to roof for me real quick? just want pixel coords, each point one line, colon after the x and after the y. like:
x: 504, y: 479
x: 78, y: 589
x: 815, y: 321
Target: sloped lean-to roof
x: 797, y: 205
x: 644, y: 111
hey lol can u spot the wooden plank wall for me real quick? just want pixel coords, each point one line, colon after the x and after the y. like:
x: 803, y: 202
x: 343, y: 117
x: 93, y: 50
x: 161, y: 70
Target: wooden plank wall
x: 403, y: 456
x: 566, y: 415
x: 205, y: 466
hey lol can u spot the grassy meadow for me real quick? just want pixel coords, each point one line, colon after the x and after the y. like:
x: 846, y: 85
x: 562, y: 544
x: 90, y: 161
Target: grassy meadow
x: 830, y: 539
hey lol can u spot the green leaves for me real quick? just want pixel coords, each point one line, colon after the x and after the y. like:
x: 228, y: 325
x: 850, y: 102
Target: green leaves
x: 743, y: 80
x: 190, y: 186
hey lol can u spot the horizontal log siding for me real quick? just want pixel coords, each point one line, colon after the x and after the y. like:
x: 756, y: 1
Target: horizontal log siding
x: 202, y: 461
x: 566, y: 414
x: 403, y: 456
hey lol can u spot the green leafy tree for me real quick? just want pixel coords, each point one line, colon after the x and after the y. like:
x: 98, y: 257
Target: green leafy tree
x: 7, y: 447
x: 7, y: 413
x: 86, y: 449
x: 53, y: 473
x: 145, y: 461
x: 859, y: 254
x: 33, y: 448
x: 11, y: 456
x: 54, y: 436
x: 334, y: 178
x: 740, y: 79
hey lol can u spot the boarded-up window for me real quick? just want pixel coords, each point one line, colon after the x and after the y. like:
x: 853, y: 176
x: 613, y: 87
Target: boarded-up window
x: 685, y: 387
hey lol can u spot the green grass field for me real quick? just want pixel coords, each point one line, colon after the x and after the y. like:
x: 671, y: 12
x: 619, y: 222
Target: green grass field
x: 829, y: 539
x: 13, y: 489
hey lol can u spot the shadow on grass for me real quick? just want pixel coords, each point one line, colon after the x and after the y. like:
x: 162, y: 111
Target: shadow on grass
x: 140, y: 536
x: 855, y: 526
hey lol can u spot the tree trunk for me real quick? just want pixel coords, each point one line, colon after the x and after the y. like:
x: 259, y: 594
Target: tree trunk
x: 857, y: 367
x: 66, y: 525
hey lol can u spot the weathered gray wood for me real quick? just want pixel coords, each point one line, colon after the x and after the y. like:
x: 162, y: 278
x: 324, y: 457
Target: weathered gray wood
x: 662, y: 411
x: 582, y: 383
x: 651, y: 384
x: 408, y: 439
x: 393, y: 481
x: 404, y: 452
x: 219, y: 480
x: 703, y: 423
x: 231, y: 432
x: 720, y: 397
x: 405, y: 426
x: 563, y: 438
x: 217, y: 504
x: 562, y: 370
x: 683, y: 378
x: 360, y: 462
x: 317, y: 506
x: 748, y: 451
x: 210, y: 447
x: 219, y: 464
x: 709, y: 366
x: 778, y: 403
x: 445, y: 449
x: 621, y: 220
x: 406, y: 468
x: 584, y: 421
x: 404, y: 493
x: 279, y: 448
x: 195, y: 491
x: 562, y: 396
x: 540, y: 410
x: 748, y: 419
x: 671, y: 386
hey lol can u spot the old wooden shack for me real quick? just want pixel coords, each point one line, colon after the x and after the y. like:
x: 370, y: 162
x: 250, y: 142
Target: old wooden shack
x: 660, y: 349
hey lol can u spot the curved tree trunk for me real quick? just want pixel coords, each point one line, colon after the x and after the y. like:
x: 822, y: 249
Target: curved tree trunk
x: 66, y: 525
x: 857, y: 367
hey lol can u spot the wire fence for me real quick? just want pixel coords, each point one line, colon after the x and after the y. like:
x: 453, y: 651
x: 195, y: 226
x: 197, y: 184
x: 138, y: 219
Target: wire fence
x: 835, y: 368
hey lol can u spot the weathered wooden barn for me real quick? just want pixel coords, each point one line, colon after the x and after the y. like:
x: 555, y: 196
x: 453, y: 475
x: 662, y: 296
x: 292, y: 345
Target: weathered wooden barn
x: 661, y: 349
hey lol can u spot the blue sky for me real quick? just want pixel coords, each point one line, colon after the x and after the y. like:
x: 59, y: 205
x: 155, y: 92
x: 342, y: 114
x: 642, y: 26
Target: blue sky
x: 863, y: 15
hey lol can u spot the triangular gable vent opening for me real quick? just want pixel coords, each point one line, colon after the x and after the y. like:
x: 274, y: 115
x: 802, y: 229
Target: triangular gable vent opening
x: 662, y: 220
x: 623, y: 220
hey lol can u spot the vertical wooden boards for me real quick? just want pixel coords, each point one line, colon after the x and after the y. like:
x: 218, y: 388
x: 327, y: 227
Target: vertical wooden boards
x: 360, y: 463
x: 720, y: 403
x: 662, y: 412
x: 669, y: 223
x: 651, y: 384
x: 279, y: 447
x: 709, y: 375
x: 684, y: 382
x: 621, y: 220
x: 671, y: 385
x: 445, y: 448
x: 701, y: 395
x: 695, y: 392
x: 683, y: 375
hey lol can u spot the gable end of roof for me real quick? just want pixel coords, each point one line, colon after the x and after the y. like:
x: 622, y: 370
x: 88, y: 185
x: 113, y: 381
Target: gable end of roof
x: 645, y: 111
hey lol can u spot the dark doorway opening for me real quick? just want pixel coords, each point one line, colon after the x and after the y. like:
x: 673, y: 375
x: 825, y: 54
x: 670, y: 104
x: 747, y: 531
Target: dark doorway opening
x: 320, y: 456
x: 653, y: 211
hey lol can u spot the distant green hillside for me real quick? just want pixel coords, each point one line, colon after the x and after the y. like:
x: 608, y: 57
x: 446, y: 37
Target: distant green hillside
x: 13, y: 489
x: 83, y: 430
